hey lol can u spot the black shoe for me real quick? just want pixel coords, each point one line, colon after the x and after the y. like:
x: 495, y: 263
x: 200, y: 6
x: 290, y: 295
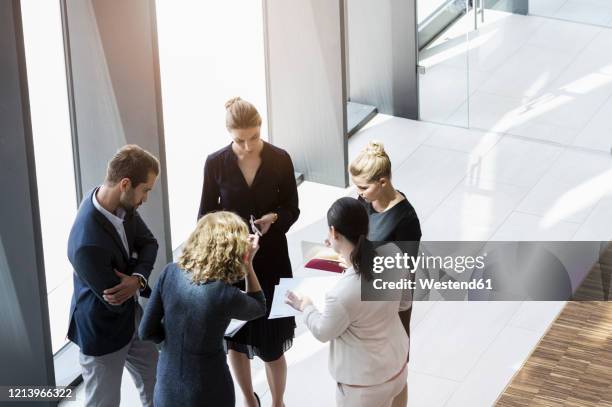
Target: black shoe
x: 257, y: 397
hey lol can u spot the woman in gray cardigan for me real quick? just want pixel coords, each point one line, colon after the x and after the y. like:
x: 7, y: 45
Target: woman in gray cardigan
x: 191, y: 307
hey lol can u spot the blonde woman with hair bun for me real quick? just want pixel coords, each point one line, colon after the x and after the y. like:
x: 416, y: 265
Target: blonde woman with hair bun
x: 255, y: 180
x: 191, y: 307
x: 392, y: 217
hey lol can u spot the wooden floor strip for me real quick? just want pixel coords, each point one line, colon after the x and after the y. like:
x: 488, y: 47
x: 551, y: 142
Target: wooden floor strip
x: 572, y: 364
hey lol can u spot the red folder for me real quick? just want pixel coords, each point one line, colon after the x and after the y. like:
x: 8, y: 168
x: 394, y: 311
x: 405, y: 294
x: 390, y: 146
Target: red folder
x: 325, y: 265
x: 319, y: 257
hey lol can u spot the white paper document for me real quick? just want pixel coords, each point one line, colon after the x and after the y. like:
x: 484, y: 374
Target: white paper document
x: 234, y: 326
x: 313, y: 287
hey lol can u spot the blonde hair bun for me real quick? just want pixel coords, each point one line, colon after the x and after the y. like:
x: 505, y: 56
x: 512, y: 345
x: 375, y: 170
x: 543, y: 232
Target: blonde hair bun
x: 231, y: 101
x: 376, y: 149
x: 372, y: 162
x: 241, y: 114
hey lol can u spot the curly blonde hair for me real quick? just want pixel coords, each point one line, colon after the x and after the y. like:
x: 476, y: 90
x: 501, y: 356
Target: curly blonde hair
x: 216, y: 249
x: 372, y: 162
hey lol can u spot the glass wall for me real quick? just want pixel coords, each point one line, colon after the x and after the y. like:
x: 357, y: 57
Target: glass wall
x: 44, y: 51
x: 514, y: 68
x: 209, y: 52
x: 443, y: 27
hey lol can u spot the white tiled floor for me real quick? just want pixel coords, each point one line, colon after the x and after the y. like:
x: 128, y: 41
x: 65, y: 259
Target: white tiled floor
x: 496, y: 367
x: 470, y: 184
x: 473, y: 211
x: 464, y: 184
x: 429, y: 175
x: 523, y: 226
x: 529, y: 76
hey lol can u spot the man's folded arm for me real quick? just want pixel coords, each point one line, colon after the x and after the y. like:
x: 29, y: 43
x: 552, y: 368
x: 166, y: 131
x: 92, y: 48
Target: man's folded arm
x: 92, y: 264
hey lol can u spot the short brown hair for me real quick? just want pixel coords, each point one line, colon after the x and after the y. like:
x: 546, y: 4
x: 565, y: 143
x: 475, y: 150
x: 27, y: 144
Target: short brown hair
x: 215, y: 250
x: 132, y: 162
x: 241, y: 114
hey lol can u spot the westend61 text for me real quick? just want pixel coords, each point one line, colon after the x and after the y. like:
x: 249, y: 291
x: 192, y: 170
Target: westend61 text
x: 429, y: 284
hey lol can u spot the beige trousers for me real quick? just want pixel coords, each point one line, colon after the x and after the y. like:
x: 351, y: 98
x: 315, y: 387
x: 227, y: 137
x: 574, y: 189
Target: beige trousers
x: 380, y: 395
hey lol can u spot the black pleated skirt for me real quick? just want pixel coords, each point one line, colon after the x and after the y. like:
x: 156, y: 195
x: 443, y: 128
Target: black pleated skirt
x: 266, y: 338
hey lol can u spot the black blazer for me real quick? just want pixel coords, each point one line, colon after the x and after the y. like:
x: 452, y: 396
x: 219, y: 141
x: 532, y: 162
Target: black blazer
x: 95, y: 251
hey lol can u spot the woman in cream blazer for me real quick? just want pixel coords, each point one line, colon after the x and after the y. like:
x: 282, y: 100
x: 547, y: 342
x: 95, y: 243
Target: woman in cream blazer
x: 368, y: 343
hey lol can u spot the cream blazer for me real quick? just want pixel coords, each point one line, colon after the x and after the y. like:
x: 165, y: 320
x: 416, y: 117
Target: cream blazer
x: 368, y: 343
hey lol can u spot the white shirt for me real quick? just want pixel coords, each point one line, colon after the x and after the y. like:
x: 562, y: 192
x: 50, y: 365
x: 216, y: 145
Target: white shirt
x: 117, y: 221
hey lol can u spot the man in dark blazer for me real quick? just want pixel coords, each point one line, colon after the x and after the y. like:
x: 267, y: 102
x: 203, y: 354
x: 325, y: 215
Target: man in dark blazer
x: 113, y: 252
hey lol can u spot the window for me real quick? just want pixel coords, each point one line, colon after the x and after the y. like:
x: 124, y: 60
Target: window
x: 44, y: 51
x: 209, y: 52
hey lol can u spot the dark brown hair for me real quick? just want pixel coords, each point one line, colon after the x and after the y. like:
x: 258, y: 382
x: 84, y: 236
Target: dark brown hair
x: 348, y: 216
x: 133, y: 162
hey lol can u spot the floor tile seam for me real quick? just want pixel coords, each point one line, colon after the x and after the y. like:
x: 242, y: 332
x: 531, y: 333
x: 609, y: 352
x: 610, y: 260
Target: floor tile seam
x: 457, y: 384
x: 570, y: 21
x: 510, y: 183
x: 522, y: 212
x: 579, y: 50
x: 488, y: 346
x: 496, y: 67
x: 461, y: 183
x: 485, y: 134
x: 576, y: 22
x: 429, y: 135
x: 476, y: 363
x: 529, y: 190
x: 551, y: 80
x: 432, y: 375
x: 532, y: 188
x: 598, y: 110
x: 455, y: 150
x: 419, y: 145
x: 575, y: 233
x: 525, y: 44
x: 565, y: 70
x: 499, y: 95
x: 551, y: 142
x: 530, y: 98
x: 443, y: 199
x: 453, y: 112
x: 536, y: 331
x: 520, y: 46
x: 589, y: 211
x: 556, y: 10
x: 424, y: 315
x: 451, y: 189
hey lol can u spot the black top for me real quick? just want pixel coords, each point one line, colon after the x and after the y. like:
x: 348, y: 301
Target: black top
x: 95, y: 251
x: 191, y: 319
x: 273, y: 190
x: 399, y: 223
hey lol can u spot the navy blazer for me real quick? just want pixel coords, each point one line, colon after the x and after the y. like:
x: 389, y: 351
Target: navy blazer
x: 95, y: 250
